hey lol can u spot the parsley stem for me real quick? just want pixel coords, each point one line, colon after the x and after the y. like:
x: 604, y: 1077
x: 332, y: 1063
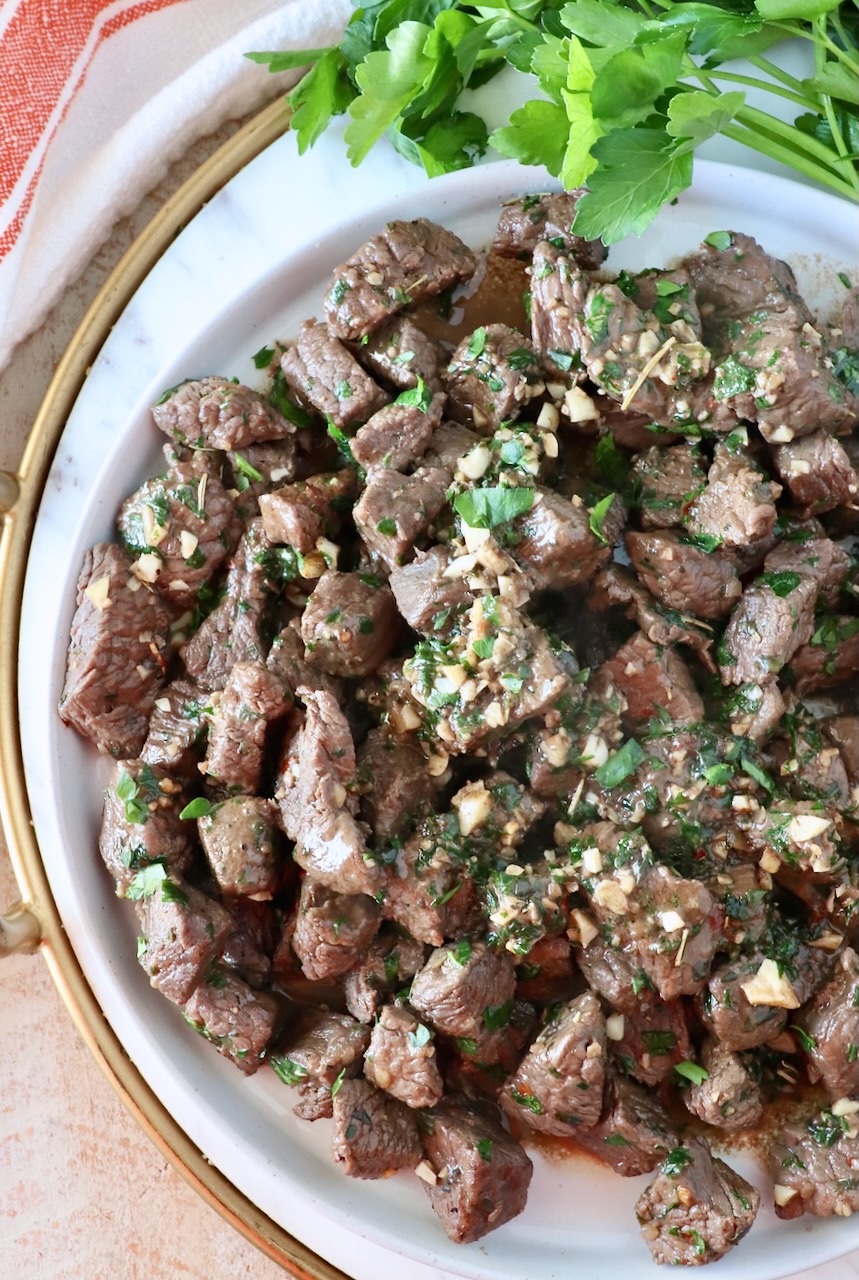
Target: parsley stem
x: 802, y: 100
x: 820, y: 61
x: 788, y: 155
x: 820, y: 37
x: 771, y: 69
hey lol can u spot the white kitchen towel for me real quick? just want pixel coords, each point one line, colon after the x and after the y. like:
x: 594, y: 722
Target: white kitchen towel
x: 98, y: 98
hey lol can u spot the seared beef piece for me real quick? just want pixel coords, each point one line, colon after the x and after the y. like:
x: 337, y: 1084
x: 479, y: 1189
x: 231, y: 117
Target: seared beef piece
x: 179, y: 718
x: 231, y: 633
x: 402, y: 265
x: 843, y: 731
x: 140, y: 822
x: 273, y: 461
x: 546, y: 974
x: 496, y: 810
x: 492, y: 376
x: 349, y: 624
x: 559, y: 1083
x: 449, y: 443
x: 831, y: 1021
x: 332, y: 930
x: 252, y: 698
x: 654, y: 1038
x: 318, y: 1047
x: 815, y: 1166
x: 428, y: 891
x: 118, y: 653
x: 183, y: 931
x: 523, y: 223
x: 401, y: 1058
x: 374, y: 1134
x: 830, y: 658
x: 482, y: 1173
x: 738, y: 504
x: 696, y: 1208
x: 188, y: 537
x: 395, y: 511
x: 756, y: 710
x: 825, y: 563
x: 725, y: 1009
x: 774, y: 618
x: 300, y: 514
x: 654, y: 680
x: 555, y: 757
x: 817, y: 472
x: 613, y: 974
x: 555, y: 544
x: 250, y: 945
x: 317, y: 808
x: 399, y: 352
x: 684, y: 576
x: 801, y: 833
x: 423, y: 592
x: 668, y: 479
x: 326, y: 375
x: 237, y: 1020
x: 397, y: 435
x: 729, y: 1098
x: 634, y: 1132
x: 286, y: 660
x: 397, y: 785
x: 238, y: 838
x: 389, y: 963
x: 617, y: 586
x: 558, y: 292
x: 811, y: 766
x: 215, y: 413
x: 463, y: 988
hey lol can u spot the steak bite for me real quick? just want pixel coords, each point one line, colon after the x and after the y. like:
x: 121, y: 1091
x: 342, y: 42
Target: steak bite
x: 696, y: 1208
x: 374, y: 1134
x: 300, y: 514
x: 616, y: 586
x: 399, y: 352
x: 326, y: 375
x: 559, y: 1083
x: 634, y: 1132
x: 215, y: 413
x: 397, y: 435
x: 684, y: 576
x: 668, y: 480
x: 558, y: 292
x: 401, y: 1058
x: 491, y: 377
x: 258, y: 469
x: 817, y: 473
x: 426, y: 593
x: 463, y: 991
x: 140, y: 823
x: 118, y: 653
x: 397, y: 786
x: 815, y: 1164
x: 396, y: 511
x: 248, y: 950
x: 737, y: 1021
x: 737, y: 507
x: 729, y: 1099
x: 251, y: 699
x: 182, y: 929
x: 653, y: 1038
x: 831, y: 1024
x: 318, y: 1049
x: 555, y: 543
x: 830, y: 657
x: 179, y: 719
x: 524, y: 222
x: 774, y: 618
x: 449, y: 443
x: 349, y: 624
x: 654, y: 680
x: 238, y: 838
x: 332, y: 930
x: 237, y: 1020
x: 387, y: 965
x: 287, y: 660
x: 428, y: 890
x: 481, y: 1174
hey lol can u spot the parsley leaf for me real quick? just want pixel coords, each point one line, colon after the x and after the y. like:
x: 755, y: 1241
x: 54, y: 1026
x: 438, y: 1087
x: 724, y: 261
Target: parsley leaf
x: 638, y: 170
x: 691, y: 1071
x: 488, y: 508
x: 417, y: 397
x: 620, y: 764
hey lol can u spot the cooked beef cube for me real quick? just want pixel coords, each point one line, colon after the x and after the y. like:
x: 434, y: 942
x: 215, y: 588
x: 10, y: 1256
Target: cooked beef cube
x: 830, y: 658
x: 332, y: 930
x: 140, y: 823
x: 559, y: 1083
x: 183, y: 931
x: 774, y: 618
x: 612, y: 973
x: 398, y: 786
x: 809, y: 763
x: 523, y: 223
x: 287, y: 660
x: 555, y: 761
x: 653, y: 1039
x: 349, y: 624
x: 238, y: 838
x: 497, y: 810
x: 318, y: 1048
x: 831, y: 1023
x: 179, y: 718
x: 617, y: 586
x: 738, y: 505
x: 555, y: 543
x: 819, y: 559
x: 815, y: 1166
x: 729, y: 1099
x: 326, y: 375
x: 801, y: 833
x: 250, y: 945
x: 843, y: 731
x: 299, y: 514
x: 817, y: 472
x: 397, y: 435
x: 482, y: 1174
x: 401, y: 1058
x: 118, y: 653
x: 558, y: 291
x: 492, y: 376
x: 317, y: 808
x: 402, y: 265
x: 684, y: 576
x: 546, y: 974
x: 252, y: 698
x: 237, y: 1020
x: 668, y: 479
x: 231, y: 633
x: 187, y: 537
x: 696, y: 1208
x: 374, y: 1134
x: 258, y: 469
x: 388, y: 964
x: 449, y: 443
x: 215, y: 413
x: 465, y: 989
x: 735, y: 1021
x: 424, y: 593
x: 634, y: 1133
x: 756, y: 710
x: 429, y: 891
x: 399, y: 352
x: 654, y: 679
x: 395, y: 511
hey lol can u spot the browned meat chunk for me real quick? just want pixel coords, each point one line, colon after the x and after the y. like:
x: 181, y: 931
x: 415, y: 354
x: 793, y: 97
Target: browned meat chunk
x: 737, y: 508
x: 683, y: 576
x: 326, y: 375
x: 734, y: 1020
x: 397, y: 435
x: 465, y: 990
x: 374, y: 1134
x: 397, y: 785
x: 332, y: 930
x: 118, y: 653
x: 815, y: 1167
x: 558, y: 292
x: 654, y: 679
x: 616, y: 586
x: 179, y: 719
x: 492, y: 376
x: 634, y: 1132
x: 523, y: 223
x: 817, y: 472
x: 319, y: 1049
x: 238, y: 838
x: 251, y: 699
x: 428, y: 891
x: 399, y: 352
x: 183, y: 931
x: 668, y: 480
x: 401, y: 1058
x: 388, y: 964
x: 831, y: 1023
x: 237, y: 1020
x: 819, y: 559
x: 449, y: 442
x: 302, y: 513
x: 215, y: 413
x: 556, y: 545
x: 655, y: 1037
x: 395, y: 511
x: 774, y: 618
x: 482, y: 1174
x: 696, y: 1208
x: 349, y: 624
x: 258, y: 469
x: 559, y: 1083
x: 425, y: 595
x: 140, y: 823
x: 830, y: 657
x: 729, y: 1099
x: 287, y: 660
x: 248, y: 949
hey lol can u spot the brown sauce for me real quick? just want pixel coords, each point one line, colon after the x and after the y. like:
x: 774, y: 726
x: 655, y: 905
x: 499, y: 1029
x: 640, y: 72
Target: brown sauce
x: 494, y: 295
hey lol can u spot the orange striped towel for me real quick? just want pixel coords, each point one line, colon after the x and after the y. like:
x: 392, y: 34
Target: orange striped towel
x: 97, y: 98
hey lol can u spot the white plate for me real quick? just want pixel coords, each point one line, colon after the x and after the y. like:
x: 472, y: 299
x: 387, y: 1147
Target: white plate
x: 248, y: 269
